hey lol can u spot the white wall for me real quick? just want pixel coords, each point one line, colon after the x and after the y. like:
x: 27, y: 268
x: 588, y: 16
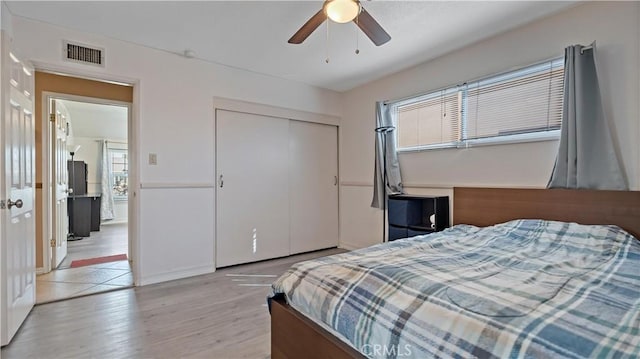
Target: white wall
x: 615, y: 27
x: 6, y: 21
x: 97, y: 120
x: 174, y: 118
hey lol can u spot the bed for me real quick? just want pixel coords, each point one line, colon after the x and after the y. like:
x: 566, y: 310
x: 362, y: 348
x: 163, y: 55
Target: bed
x: 435, y: 296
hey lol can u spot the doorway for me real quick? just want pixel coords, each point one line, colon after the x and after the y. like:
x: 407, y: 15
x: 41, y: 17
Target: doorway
x: 88, y: 205
x: 83, y: 234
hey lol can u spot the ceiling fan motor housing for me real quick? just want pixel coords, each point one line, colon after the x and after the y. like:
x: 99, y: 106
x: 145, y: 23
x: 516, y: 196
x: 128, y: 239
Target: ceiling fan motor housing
x: 341, y: 11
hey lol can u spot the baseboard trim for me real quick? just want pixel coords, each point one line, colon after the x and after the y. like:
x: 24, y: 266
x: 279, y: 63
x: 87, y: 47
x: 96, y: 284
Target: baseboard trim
x: 349, y: 246
x: 176, y: 274
x: 40, y: 270
x: 107, y: 223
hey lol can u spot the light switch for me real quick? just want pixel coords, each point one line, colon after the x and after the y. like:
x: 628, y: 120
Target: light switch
x: 153, y: 159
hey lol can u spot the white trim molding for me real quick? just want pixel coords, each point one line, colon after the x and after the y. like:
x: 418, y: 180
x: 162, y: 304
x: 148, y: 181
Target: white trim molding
x: 221, y: 103
x: 174, y: 185
x: 355, y: 184
x: 348, y: 246
x: 175, y: 274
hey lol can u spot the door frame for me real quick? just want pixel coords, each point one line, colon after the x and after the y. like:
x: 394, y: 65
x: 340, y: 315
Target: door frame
x: 47, y: 202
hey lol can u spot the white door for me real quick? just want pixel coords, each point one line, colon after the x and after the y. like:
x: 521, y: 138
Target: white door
x: 60, y: 179
x: 252, y: 204
x: 313, y: 173
x: 18, y: 238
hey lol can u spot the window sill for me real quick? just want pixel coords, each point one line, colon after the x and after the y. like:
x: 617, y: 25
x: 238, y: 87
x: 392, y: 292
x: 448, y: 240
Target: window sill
x: 498, y: 140
x: 519, y: 138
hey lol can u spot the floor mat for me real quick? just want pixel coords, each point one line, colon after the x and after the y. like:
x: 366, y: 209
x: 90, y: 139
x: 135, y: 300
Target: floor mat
x: 98, y: 260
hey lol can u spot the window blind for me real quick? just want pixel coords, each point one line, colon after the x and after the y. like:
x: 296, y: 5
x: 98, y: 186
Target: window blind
x: 433, y: 119
x: 522, y: 101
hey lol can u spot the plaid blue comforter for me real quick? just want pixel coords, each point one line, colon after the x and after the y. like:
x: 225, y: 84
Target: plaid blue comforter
x: 522, y: 289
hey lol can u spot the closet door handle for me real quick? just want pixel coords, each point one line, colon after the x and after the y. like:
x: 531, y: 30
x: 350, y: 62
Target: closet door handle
x: 335, y: 180
x: 221, y: 181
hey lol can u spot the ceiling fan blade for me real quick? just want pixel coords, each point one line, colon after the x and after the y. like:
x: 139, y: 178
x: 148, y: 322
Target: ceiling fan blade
x: 371, y: 28
x: 308, y: 27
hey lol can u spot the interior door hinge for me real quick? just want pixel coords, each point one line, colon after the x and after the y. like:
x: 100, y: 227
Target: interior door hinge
x: 52, y: 117
x: 53, y: 242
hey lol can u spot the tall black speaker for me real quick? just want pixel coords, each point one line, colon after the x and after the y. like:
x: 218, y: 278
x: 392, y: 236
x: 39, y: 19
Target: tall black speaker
x: 77, y: 177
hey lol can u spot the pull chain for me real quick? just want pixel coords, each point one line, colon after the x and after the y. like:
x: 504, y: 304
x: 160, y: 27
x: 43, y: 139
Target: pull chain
x: 327, y: 59
x: 357, y: 37
x: 443, y: 111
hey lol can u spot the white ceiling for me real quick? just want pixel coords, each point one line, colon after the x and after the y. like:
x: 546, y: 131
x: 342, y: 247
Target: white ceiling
x: 96, y: 120
x: 253, y: 35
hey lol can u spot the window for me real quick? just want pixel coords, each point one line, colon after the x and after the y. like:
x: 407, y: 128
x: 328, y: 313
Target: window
x: 519, y: 105
x: 119, y: 173
x: 429, y: 120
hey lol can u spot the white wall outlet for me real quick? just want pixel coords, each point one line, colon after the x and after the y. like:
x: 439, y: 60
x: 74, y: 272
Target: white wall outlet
x: 153, y: 159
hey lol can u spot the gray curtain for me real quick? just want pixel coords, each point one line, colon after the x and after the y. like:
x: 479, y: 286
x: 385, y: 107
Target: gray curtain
x: 587, y: 157
x: 394, y: 184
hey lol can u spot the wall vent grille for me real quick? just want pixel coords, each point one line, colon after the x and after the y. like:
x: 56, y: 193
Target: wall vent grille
x: 84, y: 54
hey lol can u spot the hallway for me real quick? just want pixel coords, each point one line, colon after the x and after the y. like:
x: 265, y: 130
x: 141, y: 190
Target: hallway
x: 67, y: 282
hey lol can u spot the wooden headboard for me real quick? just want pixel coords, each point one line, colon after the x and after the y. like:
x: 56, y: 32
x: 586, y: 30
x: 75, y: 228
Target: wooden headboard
x: 488, y: 206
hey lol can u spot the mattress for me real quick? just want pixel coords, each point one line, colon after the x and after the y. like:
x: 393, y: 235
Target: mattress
x: 521, y: 289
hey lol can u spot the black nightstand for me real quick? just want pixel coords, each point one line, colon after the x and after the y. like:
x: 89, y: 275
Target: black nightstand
x: 408, y: 215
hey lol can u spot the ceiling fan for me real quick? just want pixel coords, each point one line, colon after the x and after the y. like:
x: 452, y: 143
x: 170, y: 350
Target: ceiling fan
x: 343, y: 11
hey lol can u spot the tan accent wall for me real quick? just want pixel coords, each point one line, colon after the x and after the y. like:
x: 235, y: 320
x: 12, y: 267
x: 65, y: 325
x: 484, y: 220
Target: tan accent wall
x: 47, y: 82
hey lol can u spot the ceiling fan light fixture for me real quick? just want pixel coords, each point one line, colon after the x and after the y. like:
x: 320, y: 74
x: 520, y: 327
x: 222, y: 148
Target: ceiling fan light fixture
x: 342, y: 11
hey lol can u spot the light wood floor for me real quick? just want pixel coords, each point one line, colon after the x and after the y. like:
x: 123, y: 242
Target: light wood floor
x: 219, y: 315
x: 110, y: 240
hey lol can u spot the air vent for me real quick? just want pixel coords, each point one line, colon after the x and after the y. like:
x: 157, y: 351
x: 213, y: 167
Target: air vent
x: 84, y: 54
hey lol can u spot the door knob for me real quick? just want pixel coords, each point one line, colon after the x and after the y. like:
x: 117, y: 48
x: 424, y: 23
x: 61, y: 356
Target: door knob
x: 17, y: 203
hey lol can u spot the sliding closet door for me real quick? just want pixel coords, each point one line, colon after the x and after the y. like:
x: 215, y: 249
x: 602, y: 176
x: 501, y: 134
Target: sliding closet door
x: 313, y: 173
x: 252, y: 209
